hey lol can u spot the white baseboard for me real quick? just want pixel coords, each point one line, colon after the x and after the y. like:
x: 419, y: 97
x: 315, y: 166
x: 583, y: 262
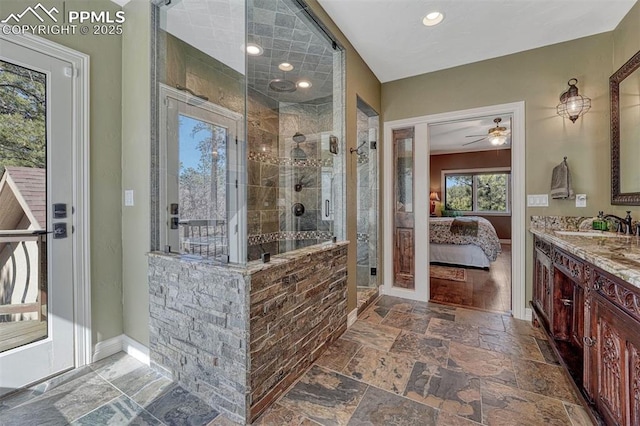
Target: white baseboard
x: 106, y: 348
x: 352, y: 317
x: 505, y: 241
x: 528, y: 314
x: 136, y: 349
x: 119, y: 343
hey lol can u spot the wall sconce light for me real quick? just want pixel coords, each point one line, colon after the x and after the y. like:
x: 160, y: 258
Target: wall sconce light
x: 572, y: 104
x: 433, y: 197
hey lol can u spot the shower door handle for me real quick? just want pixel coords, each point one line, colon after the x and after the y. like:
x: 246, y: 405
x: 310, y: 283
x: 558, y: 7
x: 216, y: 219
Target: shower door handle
x: 326, y: 208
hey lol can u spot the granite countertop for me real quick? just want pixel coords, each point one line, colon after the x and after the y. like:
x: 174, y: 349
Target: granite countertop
x: 255, y: 265
x: 615, y: 253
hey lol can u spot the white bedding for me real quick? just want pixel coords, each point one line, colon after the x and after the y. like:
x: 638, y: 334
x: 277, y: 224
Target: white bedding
x: 457, y: 254
x: 478, y: 248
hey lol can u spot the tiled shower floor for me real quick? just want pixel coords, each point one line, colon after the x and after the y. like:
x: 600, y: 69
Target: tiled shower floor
x: 401, y: 363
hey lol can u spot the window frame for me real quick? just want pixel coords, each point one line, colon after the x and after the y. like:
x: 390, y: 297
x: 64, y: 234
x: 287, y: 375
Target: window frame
x: 475, y: 172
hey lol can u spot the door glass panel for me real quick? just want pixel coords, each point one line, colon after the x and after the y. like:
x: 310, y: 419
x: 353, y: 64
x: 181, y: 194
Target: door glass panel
x: 404, y: 177
x: 367, y: 203
x: 202, y: 187
x: 23, y: 201
x: 404, y: 221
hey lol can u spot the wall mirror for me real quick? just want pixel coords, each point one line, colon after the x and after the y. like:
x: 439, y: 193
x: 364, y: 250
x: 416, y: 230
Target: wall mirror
x: 624, y: 89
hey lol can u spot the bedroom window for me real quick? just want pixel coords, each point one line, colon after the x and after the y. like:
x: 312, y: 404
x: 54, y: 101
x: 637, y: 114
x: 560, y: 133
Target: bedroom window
x: 477, y: 191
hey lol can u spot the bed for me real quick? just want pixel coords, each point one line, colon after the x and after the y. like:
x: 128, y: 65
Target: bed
x: 466, y: 241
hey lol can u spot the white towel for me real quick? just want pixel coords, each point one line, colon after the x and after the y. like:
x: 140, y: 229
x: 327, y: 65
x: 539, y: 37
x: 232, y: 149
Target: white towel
x: 561, y: 182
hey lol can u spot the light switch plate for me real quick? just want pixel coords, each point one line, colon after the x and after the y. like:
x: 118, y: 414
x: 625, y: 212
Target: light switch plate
x: 128, y: 197
x: 581, y: 200
x: 537, y: 200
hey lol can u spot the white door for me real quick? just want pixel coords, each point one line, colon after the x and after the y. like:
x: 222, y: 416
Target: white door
x: 36, y: 256
x: 201, y: 190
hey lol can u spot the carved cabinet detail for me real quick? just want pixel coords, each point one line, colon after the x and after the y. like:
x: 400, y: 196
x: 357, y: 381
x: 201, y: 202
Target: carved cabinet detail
x: 614, y: 364
x: 593, y: 321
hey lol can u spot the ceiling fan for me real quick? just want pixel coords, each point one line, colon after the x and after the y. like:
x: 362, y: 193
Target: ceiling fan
x: 496, y: 135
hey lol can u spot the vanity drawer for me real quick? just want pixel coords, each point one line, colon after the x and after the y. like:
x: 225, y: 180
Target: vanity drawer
x: 569, y: 265
x: 619, y: 293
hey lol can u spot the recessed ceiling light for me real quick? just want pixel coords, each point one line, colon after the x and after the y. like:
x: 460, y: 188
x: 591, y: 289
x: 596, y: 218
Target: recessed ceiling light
x: 285, y: 66
x: 303, y: 84
x: 433, y: 18
x: 254, y: 50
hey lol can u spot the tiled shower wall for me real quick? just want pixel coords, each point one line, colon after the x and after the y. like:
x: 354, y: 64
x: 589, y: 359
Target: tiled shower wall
x: 314, y: 121
x: 186, y: 66
x: 277, y: 164
x: 263, y: 173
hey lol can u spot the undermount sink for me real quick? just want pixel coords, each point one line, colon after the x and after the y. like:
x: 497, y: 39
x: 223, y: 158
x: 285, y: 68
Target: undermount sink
x: 590, y: 234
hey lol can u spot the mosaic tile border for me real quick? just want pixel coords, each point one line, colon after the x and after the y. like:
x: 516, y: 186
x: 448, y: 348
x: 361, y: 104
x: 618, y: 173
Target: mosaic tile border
x: 288, y: 161
x: 362, y: 237
x: 288, y: 235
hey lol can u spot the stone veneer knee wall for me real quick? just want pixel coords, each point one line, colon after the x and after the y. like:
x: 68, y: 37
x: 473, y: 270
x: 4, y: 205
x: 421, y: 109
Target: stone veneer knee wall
x: 199, y: 328
x: 297, y: 308
x: 238, y: 337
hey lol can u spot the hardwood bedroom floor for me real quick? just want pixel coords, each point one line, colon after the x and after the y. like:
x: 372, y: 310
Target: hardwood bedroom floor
x: 486, y: 290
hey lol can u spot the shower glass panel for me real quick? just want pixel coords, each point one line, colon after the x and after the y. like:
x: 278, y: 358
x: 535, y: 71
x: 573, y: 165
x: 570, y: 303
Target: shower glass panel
x: 250, y: 158
x: 201, y: 163
x: 294, y: 131
x: 367, y: 198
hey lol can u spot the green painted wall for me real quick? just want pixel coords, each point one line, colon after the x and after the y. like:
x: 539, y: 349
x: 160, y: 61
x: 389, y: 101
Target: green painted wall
x: 136, y: 167
x: 105, y: 154
x: 537, y: 77
x: 626, y: 37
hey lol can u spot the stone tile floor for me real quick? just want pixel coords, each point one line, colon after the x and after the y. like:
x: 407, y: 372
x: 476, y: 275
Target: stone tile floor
x: 414, y: 363
x: 118, y: 390
x: 401, y: 363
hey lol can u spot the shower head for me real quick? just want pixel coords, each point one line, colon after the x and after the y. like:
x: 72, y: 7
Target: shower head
x: 282, y: 86
x: 299, y: 138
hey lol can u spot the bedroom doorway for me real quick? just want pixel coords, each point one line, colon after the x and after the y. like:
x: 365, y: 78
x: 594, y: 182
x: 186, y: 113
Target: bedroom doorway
x: 514, y: 264
x: 470, y: 212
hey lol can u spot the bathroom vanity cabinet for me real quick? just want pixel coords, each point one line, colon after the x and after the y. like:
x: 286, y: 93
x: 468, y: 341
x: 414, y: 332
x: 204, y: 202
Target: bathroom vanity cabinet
x: 592, y: 318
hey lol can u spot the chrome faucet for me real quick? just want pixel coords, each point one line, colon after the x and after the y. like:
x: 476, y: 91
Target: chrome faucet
x: 626, y: 222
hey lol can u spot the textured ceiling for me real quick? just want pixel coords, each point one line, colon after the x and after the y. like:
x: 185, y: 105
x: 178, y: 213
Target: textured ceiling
x: 451, y: 136
x: 285, y: 33
x: 280, y: 27
x: 390, y: 37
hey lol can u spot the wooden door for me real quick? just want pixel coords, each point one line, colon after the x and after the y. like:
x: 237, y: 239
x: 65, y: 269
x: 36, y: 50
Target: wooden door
x: 404, y: 244
x: 562, y: 314
x: 542, y: 284
x: 577, y: 327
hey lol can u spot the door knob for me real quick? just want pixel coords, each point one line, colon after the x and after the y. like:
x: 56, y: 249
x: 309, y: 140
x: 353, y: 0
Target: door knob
x: 59, y: 230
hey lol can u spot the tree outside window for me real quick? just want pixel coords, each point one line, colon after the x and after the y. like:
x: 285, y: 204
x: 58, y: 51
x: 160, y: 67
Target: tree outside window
x: 478, y: 192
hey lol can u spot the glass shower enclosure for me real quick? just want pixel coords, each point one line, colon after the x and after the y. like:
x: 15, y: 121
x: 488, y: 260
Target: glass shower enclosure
x: 250, y: 159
